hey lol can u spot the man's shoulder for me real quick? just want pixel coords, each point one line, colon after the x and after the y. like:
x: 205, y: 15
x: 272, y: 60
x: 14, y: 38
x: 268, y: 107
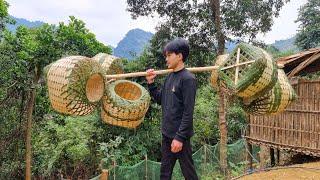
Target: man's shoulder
x: 188, y: 75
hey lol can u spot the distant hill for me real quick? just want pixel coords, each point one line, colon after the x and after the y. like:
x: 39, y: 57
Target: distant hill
x: 286, y: 44
x: 281, y: 45
x: 132, y: 44
x: 24, y: 22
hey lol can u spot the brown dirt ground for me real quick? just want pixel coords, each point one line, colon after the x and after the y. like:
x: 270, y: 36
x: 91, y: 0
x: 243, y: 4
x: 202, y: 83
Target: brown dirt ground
x: 288, y: 173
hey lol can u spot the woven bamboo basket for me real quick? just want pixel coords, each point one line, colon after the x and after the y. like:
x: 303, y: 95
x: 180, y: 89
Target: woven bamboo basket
x: 249, y: 81
x: 276, y: 100
x: 111, y: 64
x: 125, y: 104
x: 75, y: 85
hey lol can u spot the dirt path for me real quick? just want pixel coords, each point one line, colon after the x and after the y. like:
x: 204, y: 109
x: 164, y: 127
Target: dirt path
x: 293, y: 173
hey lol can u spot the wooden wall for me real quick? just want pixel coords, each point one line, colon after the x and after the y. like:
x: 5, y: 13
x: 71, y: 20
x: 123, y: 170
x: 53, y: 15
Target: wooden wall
x: 297, y: 128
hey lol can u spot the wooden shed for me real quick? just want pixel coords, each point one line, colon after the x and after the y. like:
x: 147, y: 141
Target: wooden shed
x: 298, y: 127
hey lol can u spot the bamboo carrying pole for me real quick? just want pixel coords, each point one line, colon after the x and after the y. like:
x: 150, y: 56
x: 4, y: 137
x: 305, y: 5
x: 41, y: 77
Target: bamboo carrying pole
x: 162, y: 72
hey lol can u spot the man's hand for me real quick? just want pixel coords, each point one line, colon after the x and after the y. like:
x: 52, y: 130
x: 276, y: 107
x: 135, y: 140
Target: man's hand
x: 176, y: 146
x: 151, y: 75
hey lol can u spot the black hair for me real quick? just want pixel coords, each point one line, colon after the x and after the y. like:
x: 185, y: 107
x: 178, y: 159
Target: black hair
x: 177, y: 46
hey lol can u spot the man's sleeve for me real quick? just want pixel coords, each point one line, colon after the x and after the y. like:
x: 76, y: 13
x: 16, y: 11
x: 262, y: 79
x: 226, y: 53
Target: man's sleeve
x: 189, y: 88
x: 155, y: 92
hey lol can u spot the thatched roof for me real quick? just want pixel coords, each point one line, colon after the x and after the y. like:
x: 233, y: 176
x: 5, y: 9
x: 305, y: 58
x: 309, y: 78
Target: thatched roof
x: 301, y: 63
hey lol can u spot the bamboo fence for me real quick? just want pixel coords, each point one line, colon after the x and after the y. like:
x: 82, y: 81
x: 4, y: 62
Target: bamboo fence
x: 297, y: 128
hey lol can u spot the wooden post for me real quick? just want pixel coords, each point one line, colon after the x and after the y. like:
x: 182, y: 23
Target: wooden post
x: 249, y: 156
x: 146, y: 159
x: 278, y: 157
x: 272, y: 159
x: 223, y: 130
x: 205, y: 157
x: 264, y: 154
x: 114, y: 170
x: 30, y: 106
x: 104, y: 174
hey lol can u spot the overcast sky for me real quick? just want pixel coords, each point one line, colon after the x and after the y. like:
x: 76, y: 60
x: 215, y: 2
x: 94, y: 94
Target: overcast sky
x: 110, y: 21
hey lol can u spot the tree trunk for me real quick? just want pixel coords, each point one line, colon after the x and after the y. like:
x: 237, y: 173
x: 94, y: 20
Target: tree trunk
x: 223, y: 130
x: 215, y: 7
x: 29, y: 129
x: 30, y: 106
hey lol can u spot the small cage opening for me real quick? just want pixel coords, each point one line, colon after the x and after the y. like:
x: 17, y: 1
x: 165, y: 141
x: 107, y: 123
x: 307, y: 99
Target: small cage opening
x: 95, y: 88
x: 128, y: 91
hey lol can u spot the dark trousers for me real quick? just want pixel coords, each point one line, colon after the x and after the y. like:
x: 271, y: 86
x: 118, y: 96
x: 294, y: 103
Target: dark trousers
x: 169, y: 158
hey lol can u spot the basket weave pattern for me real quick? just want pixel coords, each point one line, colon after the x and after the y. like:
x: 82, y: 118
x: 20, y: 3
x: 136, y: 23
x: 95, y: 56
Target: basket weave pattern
x: 276, y: 100
x: 75, y: 85
x: 125, y: 104
x: 111, y: 64
x: 253, y: 79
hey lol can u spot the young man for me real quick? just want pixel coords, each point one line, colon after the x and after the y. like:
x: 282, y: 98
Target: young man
x: 177, y: 98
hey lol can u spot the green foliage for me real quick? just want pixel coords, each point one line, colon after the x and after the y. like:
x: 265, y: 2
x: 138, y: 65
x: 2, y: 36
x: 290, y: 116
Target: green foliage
x: 276, y: 54
x: 82, y: 145
x: 13, y: 80
x: 194, y: 20
x: 23, y: 55
x: 127, y: 147
x: 309, y: 19
x: 236, y: 119
x: 237, y: 168
x: 4, y: 16
x: 111, y: 151
x: 76, y: 39
x: 66, y: 140
x: 206, y: 117
x: 248, y: 18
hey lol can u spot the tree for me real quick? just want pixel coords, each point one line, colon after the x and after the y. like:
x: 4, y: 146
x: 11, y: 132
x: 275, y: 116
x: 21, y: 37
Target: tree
x: 210, y: 23
x: 4, y: 16
x: 309, y: 28
x: 76, y: 39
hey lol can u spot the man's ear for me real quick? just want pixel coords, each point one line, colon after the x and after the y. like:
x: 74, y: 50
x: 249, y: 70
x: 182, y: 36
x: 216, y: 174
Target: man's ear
x: 180, y: 56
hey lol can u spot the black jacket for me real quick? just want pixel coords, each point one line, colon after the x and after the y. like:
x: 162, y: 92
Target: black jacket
x: 177, y: 98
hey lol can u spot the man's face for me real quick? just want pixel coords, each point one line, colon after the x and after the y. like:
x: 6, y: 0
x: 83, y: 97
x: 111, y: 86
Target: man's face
x: 173, y: 59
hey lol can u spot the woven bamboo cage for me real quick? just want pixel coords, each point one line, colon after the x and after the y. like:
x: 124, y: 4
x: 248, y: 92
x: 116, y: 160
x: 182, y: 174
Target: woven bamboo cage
x: 75, y: 85
x: 111, y: 64
x: 276, y: 100
x: 125, y: 104
x: 249, y: 81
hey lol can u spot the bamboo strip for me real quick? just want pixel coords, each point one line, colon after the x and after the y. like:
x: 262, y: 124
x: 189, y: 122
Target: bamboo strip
x: 237, y: 68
